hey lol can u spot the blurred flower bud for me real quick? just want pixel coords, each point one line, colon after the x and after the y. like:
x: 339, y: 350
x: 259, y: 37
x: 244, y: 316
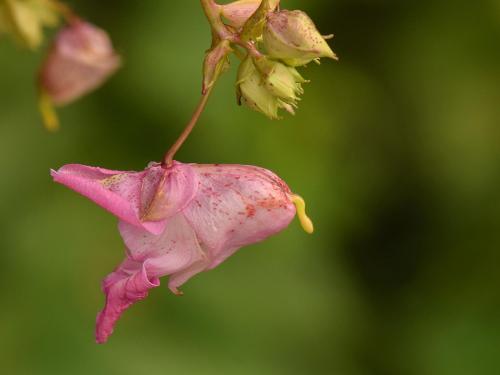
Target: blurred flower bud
x: 80, y: 60
x: 25, y: 19
x: 292, y: 37
x: 237, y: 13
x: 266, y: 86
x: 216, y: 62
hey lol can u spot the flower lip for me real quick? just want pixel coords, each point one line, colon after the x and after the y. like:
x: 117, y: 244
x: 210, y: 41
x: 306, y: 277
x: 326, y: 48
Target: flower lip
x: 135, y: 286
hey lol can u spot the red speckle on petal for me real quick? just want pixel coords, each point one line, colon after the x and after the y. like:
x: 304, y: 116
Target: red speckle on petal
x: 250, y: 210
x: 270, y: 203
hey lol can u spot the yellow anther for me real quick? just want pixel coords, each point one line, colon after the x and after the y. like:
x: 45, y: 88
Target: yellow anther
x: 305, y: 221
x: 48, y: 113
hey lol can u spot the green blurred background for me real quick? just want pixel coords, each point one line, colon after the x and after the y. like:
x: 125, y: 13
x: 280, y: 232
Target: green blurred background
x: 396, y: 149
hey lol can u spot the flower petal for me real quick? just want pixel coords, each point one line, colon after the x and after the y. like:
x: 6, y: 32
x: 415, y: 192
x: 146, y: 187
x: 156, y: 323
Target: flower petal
x: 125, y: 286
x: 237, y: 206
x: 166, y: 192
x: 116, y: 191
x: 178, y: 241
x: 175, y: 252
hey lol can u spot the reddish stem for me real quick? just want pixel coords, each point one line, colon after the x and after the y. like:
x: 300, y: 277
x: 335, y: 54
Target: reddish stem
x: 212, y: 11
x: 66, y: 12
x: 168, y: 159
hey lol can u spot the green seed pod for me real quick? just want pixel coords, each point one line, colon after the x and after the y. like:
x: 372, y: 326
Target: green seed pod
x: 253, y: 92
x: 292, y: 37
x: 266, y: 86
x: 216, y: 62
x: 253, y: 28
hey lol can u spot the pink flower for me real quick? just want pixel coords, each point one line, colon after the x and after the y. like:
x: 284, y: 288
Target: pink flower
x: 180, y: 221
x: 80, y: 60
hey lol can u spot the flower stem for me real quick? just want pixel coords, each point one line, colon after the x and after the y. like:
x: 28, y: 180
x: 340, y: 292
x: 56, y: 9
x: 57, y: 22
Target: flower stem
x: 168, y: 159
x: 65, y: 11
x: 249, y: 46
x: 213, y: 13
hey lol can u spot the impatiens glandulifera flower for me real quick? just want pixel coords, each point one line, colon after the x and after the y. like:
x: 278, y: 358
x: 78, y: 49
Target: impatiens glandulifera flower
x: 80, y: 60
x: 266, y: 86
x: 292, y: 37
x: 181, y: 220
x: 25, y: 19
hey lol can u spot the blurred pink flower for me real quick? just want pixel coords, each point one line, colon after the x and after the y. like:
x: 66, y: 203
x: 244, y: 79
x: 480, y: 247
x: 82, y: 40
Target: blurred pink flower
x: 180, y: 221
x: 80, y: 60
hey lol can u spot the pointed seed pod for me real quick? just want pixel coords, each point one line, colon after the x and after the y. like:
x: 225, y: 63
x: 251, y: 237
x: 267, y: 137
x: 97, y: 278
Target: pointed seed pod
x: 292, y: 37
x: 266, y: 86
x: 253, y: 92
x: 216, y: 63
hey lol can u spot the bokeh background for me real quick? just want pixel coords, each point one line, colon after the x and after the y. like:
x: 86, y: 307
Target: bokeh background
x: 396, y: 149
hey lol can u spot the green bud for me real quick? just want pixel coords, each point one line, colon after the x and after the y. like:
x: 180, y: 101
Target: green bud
x: 254, y: 27
x: 266, y: 86
x: 216, y: 62
x: 252, y: 91
x: 282, y: 81
x: 292, y: 37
